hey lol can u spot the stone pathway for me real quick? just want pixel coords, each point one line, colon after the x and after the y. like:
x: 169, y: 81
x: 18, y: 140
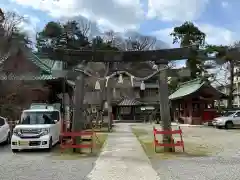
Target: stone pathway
x: 123, y: 158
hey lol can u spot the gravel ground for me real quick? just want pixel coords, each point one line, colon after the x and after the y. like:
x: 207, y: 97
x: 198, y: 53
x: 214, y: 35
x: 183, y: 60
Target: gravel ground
x: 41, y: 166
x: 208, y: 168
x: 222, y: 164
x: 220, y: 141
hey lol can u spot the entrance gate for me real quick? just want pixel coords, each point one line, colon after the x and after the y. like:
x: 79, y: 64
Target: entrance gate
x: 161, y: 58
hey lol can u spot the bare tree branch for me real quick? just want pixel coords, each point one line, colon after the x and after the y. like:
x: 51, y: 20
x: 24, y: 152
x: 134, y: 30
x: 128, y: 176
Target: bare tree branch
x: 140, y: 42
x: 11, y: 37
x: 85, y: 27
x: 12, y: 22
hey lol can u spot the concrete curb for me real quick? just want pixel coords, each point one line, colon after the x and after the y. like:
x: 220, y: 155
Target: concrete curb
x: 187, y: 125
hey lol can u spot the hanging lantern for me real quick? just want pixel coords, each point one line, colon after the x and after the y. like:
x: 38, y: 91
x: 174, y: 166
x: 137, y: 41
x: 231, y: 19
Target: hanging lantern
x: 105, y: 105
x: 107, y: 78
x: 120, y: 79
x: 97, y: 85
x: 114, y: 92
x: 142, y: 86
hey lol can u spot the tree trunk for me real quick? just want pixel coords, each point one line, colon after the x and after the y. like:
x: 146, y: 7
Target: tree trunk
x: 231, y: 88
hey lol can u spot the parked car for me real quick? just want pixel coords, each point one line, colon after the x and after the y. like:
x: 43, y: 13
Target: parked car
x: 5, y: 133
x: 228, y: 120
x: 38, y: 128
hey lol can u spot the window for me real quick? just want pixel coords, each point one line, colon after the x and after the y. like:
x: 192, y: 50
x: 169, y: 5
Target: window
x: 237, y: 114
x: 38, y: 117
x: 150, y: 92
x: 235, y: 100
x: 125, y: 110
x: 2, y: 121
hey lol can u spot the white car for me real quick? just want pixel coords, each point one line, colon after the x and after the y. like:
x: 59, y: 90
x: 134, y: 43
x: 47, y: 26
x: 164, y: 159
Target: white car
x: 229, y: 120
x: 5, y: 133
x: 37, y: 129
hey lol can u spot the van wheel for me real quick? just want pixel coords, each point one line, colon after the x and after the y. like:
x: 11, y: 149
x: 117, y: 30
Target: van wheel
x: 229, y: 125
x: 15, y: 150
x: 59, y: 140
x: 50, y: 144
x: 8, y: 140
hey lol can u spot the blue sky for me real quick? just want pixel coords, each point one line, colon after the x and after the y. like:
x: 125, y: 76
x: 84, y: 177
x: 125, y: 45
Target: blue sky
x: 217, y: 18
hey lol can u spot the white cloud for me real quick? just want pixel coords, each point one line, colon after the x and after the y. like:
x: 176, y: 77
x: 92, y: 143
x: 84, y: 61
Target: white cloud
x: 31, y: 23
x: 180, y: 63
x: 164, y: 35
x: 176, y: 10
x: 224, y: 4
x: 218, y: 35
x: 120, y: 15
x: 214, y: 35
x: 30, y: 26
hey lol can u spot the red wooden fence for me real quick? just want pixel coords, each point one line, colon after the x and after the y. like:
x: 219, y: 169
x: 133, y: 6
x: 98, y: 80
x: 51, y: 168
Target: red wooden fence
x: 172, y: 144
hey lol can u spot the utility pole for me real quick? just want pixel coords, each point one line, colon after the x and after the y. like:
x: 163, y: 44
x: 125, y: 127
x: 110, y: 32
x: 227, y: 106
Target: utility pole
x: 78, y: 118
x: 164, y: 107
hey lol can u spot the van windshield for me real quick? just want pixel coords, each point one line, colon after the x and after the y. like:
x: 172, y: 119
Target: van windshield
x: 39, y: 117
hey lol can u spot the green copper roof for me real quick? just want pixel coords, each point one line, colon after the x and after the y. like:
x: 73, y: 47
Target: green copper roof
x: 187, y: 88
x: 45, y: 64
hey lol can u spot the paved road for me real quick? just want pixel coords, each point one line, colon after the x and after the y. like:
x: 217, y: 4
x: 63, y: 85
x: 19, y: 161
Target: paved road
x: 41, y: 166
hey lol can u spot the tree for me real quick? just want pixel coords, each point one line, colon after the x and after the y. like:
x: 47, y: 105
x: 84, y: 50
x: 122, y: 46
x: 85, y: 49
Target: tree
x: 75, y: 35
x: 138, y: 42
x: 133, y: 41
x: 222, y: 54
x: 172, y: 85
x: 66, y: 35
x: 187, y: 35
x: 12, y: 37
x: 12, y: 45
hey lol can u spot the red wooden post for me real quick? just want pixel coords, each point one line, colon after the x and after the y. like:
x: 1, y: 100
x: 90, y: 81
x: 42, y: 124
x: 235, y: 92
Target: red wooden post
x: 172, y: 144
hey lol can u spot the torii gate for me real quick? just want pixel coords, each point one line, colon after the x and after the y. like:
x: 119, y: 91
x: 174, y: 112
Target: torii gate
x: 160, y: 57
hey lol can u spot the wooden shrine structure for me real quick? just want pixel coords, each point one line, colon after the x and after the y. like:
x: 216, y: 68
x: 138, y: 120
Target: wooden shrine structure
x: 193, y: 102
